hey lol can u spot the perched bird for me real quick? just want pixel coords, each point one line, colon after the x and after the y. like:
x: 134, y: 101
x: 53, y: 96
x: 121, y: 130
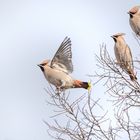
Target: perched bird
x: 134, y: 19
x: 57, y: 71
x: 123, y: 55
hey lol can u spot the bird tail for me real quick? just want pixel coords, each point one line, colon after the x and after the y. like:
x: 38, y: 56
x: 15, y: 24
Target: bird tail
x: 80, y: 84
x: 132, y: 75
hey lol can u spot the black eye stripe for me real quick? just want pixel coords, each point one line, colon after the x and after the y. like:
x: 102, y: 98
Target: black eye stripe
x: 43, y: 64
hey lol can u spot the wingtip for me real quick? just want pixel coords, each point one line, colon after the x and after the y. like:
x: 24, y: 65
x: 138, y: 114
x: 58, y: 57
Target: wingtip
x: 66, y: 40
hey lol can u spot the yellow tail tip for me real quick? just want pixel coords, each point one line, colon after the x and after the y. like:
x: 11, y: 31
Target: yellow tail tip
x: 89, y: 86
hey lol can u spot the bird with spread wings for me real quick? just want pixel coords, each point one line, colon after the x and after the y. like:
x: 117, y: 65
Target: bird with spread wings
x: 57, y: 71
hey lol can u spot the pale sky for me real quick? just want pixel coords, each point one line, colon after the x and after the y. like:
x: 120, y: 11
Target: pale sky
x: 31, y: 31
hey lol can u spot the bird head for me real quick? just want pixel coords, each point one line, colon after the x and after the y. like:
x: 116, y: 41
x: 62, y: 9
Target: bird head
x: 115, y: 36
x: 133, y: 11
x: 43, y: 64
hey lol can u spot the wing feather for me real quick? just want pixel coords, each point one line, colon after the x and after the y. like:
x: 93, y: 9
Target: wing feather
x: 62, y: 59
x: 128, y: 58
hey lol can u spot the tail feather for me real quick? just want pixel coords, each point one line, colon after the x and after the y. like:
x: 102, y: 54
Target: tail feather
x: 80, y: 84
x: 132, y: 75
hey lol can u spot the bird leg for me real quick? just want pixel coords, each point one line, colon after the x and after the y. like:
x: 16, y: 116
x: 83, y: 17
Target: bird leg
x: 58, y: 90
x: 61, y: 87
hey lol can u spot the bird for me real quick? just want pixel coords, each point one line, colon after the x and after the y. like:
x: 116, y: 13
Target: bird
x: 57, y: 71
x: 134, y: 19
x: 123, y: 55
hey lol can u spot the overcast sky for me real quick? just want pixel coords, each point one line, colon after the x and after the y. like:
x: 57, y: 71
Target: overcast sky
x: 31, y: 31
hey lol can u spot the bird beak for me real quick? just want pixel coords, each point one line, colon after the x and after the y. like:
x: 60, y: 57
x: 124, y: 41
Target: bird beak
x: 41, y: 67
x: 112, y: 36
x: 130, y: 14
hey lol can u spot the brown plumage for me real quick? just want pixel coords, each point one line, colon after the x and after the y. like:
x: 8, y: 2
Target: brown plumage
x: 134, y: 19
x: 80, y: 84
x: 57, y: 71
x: 123, y: 55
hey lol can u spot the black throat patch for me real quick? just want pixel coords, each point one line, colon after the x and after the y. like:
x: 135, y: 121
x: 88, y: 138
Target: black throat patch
x: 42, y: 69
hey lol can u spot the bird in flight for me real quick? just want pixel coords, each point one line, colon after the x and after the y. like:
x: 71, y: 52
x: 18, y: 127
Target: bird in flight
x: 57, y: 71
x: 123, y: 55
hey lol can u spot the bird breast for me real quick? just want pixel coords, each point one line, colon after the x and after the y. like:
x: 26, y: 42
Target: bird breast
x: 135, y: 23
x: 56, y: 77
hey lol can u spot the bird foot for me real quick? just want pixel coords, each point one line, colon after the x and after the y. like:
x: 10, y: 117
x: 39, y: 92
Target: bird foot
x: 59, y: 89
